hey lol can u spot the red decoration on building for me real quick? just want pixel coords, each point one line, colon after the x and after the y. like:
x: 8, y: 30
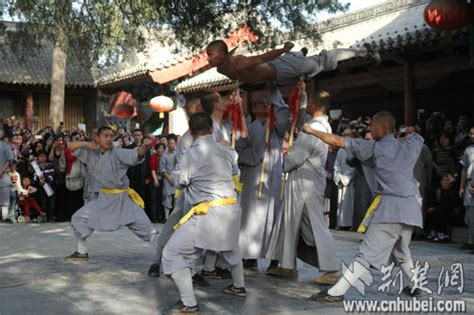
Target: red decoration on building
x: 449, y: 15
x: 124, y: 111
x: 122, y: 105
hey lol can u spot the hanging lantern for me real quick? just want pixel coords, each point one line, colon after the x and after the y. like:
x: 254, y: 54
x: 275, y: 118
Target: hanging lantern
x: 123, y: 111
x: 162, y: 104
x: 448, y: 15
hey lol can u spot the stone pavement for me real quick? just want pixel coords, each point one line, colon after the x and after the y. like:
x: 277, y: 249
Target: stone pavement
x: 35, y: 279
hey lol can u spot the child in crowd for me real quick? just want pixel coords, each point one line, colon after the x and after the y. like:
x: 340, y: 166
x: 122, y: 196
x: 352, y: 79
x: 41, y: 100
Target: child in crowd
x: 27, y: 199
x: 15, y: 190
x: 48, y: 177
x: 445, y: 210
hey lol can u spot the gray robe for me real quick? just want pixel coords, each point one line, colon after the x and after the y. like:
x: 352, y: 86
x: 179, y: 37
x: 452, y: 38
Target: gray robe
x: 423, y: 173
x: 344, y: 179
x: 258, y: 215
x: 304, y: 205
x: 467, y: 162
x: 205, y: 174
x: 167, y: 164
x: 293, y: 65
x: 183, y: 145
x: 388, y: 165
x: 363, y: 196
x: 222, y: 131
x: 109, y: 212
x: 6, y: 155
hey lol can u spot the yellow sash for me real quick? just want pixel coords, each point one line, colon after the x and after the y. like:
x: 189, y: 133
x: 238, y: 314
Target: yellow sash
x: 132, y: 193
x: 202, y: 209
x: 373, y: 206
x: 239, y: 187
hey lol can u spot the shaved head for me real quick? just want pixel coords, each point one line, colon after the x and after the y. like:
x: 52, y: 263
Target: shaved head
x: 219, y: 45
x: 191, y: 105
x: 386, y: 119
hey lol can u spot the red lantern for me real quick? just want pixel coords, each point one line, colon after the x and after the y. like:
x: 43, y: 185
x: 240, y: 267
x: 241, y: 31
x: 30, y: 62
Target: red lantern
x: 162, y: 104
x: 123, y: 111
x: 448, y: 14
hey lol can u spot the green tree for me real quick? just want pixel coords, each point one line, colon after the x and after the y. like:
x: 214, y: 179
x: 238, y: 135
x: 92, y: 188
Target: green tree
x: 101, y: 32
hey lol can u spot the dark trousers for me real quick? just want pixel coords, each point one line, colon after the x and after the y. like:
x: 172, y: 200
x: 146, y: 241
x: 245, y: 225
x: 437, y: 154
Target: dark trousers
x: 154, y: 209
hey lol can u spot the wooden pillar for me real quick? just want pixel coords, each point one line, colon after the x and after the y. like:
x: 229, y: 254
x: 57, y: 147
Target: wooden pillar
x: 410, y: 106
x: 29, y: 111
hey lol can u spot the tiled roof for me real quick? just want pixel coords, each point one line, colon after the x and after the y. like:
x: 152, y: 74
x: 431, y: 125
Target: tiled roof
x: 206, y: 80
x: 140, y: 63
x: 35, y: 68
x: 392, y: 25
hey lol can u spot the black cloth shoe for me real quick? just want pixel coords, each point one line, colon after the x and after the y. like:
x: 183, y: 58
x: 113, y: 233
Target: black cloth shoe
x: 78, y: 256
x: 217, y: 274
x: 408, y: 291
x: 250, y: 263
x: 200, y: 281
x: 235, y: 291
x: 325, y: 298
x: 154, y: 271
x: 373, y: 55
x: 180, y: 308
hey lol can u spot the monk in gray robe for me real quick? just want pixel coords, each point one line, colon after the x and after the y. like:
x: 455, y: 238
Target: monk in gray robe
x: 344, y: 179
x: 116, y: 205
x: 388, y: 164
x: 167, y: 165
x: 213, y: 222
x: 303, y: 212
x: 215, y: 106
x: 259, y: 212
x: 182, y: 148
x: 423, y: 172
x: 6, y: 156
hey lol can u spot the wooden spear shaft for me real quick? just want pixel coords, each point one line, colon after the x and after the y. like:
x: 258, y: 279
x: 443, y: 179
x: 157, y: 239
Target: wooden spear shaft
x: 262, y: 170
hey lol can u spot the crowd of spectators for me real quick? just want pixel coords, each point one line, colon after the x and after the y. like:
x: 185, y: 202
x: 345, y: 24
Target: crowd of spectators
x: 54, y: 191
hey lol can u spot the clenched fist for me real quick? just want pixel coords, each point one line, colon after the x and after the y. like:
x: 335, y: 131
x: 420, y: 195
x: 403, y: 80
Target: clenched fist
x: 288, y: 46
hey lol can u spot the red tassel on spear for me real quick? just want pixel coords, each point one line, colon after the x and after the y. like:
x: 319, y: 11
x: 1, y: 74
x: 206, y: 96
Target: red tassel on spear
x: 234, y: 113
x: 270, y: 124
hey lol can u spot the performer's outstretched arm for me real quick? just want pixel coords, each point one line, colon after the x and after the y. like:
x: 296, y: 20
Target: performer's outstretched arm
x: 328, y: 138
x: 251, y: 61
